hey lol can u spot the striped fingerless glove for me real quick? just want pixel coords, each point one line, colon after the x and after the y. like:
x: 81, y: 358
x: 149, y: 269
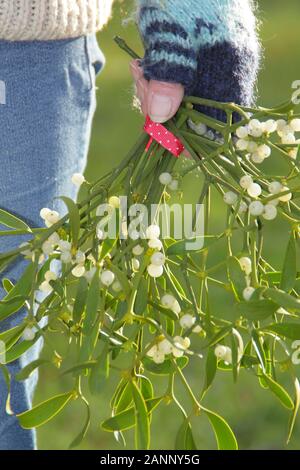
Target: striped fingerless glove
x: 209, y: 46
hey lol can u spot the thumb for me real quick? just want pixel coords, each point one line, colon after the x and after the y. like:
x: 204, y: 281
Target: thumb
x: 163, y: 100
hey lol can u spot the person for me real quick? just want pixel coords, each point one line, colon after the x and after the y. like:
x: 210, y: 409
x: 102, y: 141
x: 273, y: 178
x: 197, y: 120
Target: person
x: 49, y: 59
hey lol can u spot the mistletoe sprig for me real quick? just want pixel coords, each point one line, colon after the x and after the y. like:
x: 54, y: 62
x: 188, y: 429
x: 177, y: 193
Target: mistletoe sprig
x: 137, y: 305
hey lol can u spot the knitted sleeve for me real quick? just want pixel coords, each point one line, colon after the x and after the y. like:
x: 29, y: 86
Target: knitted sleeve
x: 209, y: 46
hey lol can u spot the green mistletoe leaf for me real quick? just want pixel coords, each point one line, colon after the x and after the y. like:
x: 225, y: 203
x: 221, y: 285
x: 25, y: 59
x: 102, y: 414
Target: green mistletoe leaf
x: 16, y: 297
x: 279, y: 392
x: 286, y: 330
x: 184, y: 438
x: 44, y: 412
x: 289, y: 272
x: 225, y: 437
x: 11, y: 221
x: 74, y: 218
x: 142, y: 425
x: 78, y: 439
x: 126, y: 419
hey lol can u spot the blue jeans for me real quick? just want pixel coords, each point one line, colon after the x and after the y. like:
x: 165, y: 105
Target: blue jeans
x: 45, y: 127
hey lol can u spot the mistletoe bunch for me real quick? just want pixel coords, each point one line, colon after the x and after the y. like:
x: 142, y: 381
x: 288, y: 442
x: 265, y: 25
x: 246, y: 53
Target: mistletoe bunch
x: 132, y: 303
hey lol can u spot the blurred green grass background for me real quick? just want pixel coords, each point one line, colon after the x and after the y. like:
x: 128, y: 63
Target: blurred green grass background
x: 256, y: 417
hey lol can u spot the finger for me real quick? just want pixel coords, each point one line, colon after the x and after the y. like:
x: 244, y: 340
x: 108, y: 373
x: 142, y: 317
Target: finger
x: 163, y: 100
x: 142, y: 86
x: 136, y: 69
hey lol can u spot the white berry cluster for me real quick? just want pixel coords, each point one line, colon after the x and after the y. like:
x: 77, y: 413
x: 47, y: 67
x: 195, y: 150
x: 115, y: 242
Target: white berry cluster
x: 164, y: 348
x: 158, y: 259
x: 256, y: 208
x: 246, y: 266
x: 49, y: 216
x: 167, y: 180
x: 188, y: 321
x: 224, y: 353
x: 251, y: 138
x: 169, y: 301
x: 286, y: 131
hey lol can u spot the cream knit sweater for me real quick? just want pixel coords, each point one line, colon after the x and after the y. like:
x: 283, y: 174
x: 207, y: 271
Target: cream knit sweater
x: 27, y: 20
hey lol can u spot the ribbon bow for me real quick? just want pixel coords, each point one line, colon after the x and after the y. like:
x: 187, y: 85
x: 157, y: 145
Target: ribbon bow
x: 165, y: 138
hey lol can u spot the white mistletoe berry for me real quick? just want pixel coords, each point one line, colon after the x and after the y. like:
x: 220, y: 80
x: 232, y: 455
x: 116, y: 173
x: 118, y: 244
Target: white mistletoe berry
x: 158, y: 357
x: 257, y: 158
x: 45, y: 287
x: 168, y: 301
x: 78, y: 179
x: 174, y: 185
x: 158, y: 259
x: 50, y: 276
x: 256, y: 208
x: 246, y: 181
x: 107, y: 278
x: 220, y: 351
x: 44, y: 213
x: 78, y: 271
x: 256, y: 128
x: 295, y: 124
x: 153, y: 232
x: 165, y: 178
x: 281, y: 124
x: 252, y: 146
x: 248, y: 292
x: 270, y: 212
x: 165, y: 347
x: 52, y: 218
x: 264, y: 151
x: 270, y: 126
x: 176, y: 307
x: 135, y: 264
x: 275, y: 187
x: 187, y: 321
x: 243, y: 207
x: 155, y: 244
x: 254, y: 190
x: 116, y: 287
x: 230, y: 198
x: 242, y: 144
x: 242, y: 132
x: 246, y: 264
x: 180, y: 345
x: 152, y: 351
x: 285, y: 197
x: 28, y: 334
x: 288, y: 138
x: 155, y: 271
x: 138, y: 250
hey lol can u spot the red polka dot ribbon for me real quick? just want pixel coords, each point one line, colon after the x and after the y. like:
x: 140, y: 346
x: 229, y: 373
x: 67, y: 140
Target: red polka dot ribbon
x: 165, y: 138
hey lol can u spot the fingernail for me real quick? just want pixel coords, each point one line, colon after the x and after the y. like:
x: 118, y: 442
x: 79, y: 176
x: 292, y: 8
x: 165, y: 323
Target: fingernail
x: 160, y: 107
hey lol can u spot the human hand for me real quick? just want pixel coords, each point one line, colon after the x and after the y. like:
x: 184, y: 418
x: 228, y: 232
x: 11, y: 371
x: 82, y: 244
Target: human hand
x: 160, y: 100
